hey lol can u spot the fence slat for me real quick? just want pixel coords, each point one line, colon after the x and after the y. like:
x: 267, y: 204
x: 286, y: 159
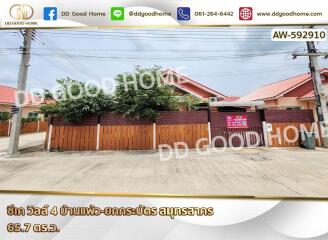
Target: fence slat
x: 188, y: 133
x: 291, y: 136
x: 4, y: 128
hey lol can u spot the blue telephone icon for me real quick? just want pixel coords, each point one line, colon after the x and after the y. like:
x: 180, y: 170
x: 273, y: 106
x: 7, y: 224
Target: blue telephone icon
x: 183, y: 13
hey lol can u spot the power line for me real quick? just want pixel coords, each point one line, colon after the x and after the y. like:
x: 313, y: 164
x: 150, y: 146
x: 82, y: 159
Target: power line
x: 60, y: 52
x: 151, y: 58
x: 57, y: 52
x: 284, y: 50
x: 227, y: 74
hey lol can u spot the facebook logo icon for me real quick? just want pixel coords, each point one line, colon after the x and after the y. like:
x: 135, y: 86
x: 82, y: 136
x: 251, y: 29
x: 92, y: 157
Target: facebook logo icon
x: 50, y: 13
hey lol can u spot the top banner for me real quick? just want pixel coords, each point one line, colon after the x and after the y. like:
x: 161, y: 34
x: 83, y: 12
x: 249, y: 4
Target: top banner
x: 142, y: 13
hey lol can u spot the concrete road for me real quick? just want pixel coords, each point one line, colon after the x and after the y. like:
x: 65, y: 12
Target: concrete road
x: 249, y: 172
x: 26, y: 141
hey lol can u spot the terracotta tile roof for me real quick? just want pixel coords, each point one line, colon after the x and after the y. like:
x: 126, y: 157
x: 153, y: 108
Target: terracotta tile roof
x: 273, y: 90
x: 277, y: 89
x: 190, y: 85
x: 7, y: 96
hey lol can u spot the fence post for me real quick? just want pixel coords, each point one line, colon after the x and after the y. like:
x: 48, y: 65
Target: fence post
x: 323, y: 134
x: 318, y: 128
x: 9, y: 126
x: 154, y: 136
x: 38, y: 126
x: 98, y: 136
x: 209, y: 134
x: 49, y: 138
x: 265, y: 134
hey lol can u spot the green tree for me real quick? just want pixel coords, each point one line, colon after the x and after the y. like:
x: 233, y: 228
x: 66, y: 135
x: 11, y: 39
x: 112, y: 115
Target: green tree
x: 141, y: 94
x: 76, y: 99
x: 47, y: 94
x: 50, y: 109
x: 190, y: 102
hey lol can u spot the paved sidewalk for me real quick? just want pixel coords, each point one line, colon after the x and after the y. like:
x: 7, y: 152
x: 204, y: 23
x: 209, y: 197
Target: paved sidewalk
x: 25, y: 141
x: 250, y: 172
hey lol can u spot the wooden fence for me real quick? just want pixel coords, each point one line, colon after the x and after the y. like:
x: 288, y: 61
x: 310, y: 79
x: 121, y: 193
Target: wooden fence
x: 113, y: 132
x: 186, y: 127
x: 28, y: 127
x: 77, y: 138
x: 286, y: 125
x: 287, y: 134
x: 186, y: 133
x: 43, y: 126
x: 4, y: 128
x: 132, y: 137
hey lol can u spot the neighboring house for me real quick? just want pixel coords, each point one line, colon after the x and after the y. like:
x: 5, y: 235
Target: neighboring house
x: 184, y: 85
x: 8, y: 99
x: 293, y: 93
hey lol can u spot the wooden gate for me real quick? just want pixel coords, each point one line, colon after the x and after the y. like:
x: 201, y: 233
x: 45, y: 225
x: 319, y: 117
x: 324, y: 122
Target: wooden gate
x: 187, y: 128
x: 119, y: 133
x: 286, y: 125
x: 130, y: 137
x: 236, y: 129
x: 192, y: 135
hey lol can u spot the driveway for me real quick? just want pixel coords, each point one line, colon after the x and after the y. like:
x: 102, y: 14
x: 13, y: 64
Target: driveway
x: 25, y: 141
x: 258, y: 172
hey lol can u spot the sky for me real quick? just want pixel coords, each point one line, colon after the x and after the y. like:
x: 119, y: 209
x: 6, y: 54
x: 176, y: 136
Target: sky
x: 232, y: 61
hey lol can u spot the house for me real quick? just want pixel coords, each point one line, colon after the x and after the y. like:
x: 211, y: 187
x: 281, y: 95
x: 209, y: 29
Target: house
x: 8, y: 99
x: 184, y: 85
x: 293, y: 93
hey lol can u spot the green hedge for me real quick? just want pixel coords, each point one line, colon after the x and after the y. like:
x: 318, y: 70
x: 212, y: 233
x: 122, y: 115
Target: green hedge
x: 5, y: 116
x: 30, y: 119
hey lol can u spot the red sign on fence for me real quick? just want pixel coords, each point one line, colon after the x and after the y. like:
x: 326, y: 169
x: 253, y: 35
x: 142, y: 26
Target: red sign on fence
x: 237, y: 121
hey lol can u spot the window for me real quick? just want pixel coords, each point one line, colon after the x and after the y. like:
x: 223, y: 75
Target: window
x: 32, y: 115
x: 293, y: 108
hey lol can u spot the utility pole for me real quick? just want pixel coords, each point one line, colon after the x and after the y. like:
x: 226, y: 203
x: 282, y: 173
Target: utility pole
x: 20, y: 94
x: 319, y: 93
